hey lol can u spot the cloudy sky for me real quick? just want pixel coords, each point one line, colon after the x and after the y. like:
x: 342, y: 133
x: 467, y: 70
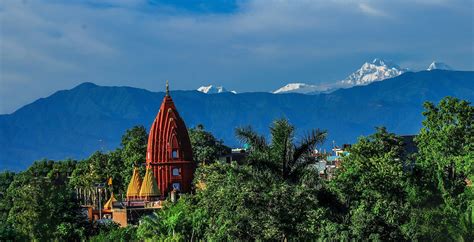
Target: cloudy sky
x: 244, y: 45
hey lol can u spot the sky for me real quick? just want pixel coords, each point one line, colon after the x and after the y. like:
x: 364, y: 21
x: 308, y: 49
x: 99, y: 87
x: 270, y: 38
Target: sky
x: 244, y: 45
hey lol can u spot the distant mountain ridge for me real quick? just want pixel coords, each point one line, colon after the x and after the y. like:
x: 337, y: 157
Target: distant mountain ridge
x: 435, y: 65
x: 377, y: 70
x: 74, y: 123
x: 211, y: 89
x: 299, y: 88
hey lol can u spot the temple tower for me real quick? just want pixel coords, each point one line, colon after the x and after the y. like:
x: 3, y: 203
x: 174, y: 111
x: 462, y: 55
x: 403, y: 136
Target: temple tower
x: 169, y: 152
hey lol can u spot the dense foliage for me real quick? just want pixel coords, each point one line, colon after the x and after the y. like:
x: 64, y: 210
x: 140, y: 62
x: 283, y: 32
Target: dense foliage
x: 40, y: 203
x: 372, y: 183
x: 206, y: 148
x: 380, y: 192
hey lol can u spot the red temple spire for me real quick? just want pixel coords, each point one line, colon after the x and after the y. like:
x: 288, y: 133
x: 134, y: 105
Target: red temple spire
x: 169, y: 150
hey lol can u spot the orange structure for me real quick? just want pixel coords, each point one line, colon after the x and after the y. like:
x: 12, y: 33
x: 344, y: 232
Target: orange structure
x: 169, y: 152
x: 133, y: 190
x: 169, y: 170
x: 149, y: 189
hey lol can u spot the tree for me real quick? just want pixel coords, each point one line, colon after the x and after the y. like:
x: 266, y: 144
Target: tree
x: 43, y: 205
x: 285, y: 158
x: 445, y: 165
x: 133, y: 151
x: 171, y: 222
x: 92, y: 170
x: 269, y: 196
x: 117, y: 164
x: 112, y: 232
x: 237, y: 203
x: 372, y: 183
x: 206, y: 148
x: 6, y: 230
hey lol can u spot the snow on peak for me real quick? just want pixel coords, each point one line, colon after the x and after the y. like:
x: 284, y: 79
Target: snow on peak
x: 377, y: 70
x: 300, y: 88
x: 211, y: 89
x: 439, y: 66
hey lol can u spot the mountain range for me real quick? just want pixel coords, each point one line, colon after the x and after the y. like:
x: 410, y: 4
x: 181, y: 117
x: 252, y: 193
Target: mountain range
x: 376, y: 70
x: 211, y: 89
x: 439, y: 66
x: 74, y: 123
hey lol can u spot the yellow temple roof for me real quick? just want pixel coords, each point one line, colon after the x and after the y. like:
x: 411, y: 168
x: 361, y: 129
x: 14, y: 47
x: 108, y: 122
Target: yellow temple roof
x: 109, y: 204
x: 149, y: 186
x: 135, y: 184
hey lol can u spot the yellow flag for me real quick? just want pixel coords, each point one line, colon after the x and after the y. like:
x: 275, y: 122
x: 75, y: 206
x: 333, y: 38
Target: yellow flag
x: 109, y: 182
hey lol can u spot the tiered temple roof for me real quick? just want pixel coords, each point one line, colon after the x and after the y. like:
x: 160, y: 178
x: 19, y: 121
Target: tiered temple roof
x: 133, y: 190
x: 149, y: 187
x: 169, y: 156
x: 169, y: 150
x: 109, y: 204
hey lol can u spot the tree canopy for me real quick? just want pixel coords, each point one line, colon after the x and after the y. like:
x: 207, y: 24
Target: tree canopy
x: 206, y: 148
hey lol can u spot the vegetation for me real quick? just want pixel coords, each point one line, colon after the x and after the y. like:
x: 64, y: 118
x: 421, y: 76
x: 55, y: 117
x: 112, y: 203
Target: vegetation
x: 380, y: 192
x: 206, y: 148
x: 372, y: 185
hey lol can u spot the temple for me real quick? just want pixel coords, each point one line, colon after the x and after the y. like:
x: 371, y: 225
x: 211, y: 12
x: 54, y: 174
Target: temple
x: 169, y: 152
x: 169, y: 170
x: 169, y: 157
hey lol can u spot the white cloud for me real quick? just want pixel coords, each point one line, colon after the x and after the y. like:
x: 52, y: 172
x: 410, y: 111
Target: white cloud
x: 366, y: 8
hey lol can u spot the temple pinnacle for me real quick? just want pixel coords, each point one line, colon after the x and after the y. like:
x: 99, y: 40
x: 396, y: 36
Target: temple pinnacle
x: 167, y: 89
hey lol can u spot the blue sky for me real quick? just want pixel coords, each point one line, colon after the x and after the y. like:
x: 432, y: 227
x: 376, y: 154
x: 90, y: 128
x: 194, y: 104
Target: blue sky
x: 244, y: 45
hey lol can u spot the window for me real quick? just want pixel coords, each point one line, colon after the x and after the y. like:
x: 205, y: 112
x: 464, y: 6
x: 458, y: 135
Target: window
x: 176, y: 186
x: 176, y: 171
x: 174, y: 154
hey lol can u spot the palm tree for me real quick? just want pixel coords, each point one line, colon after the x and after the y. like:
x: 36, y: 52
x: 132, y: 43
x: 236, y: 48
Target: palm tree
x: 281, y: 155
x: 160, y: 224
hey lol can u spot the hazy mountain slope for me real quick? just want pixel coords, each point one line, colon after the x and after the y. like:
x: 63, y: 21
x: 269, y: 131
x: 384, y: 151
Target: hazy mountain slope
x: 76, y: 122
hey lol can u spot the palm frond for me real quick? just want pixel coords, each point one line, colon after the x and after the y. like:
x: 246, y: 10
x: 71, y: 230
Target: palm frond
x: 299, y: 167
x: 249, y: 136
x: 308, y: 143
x: 282, y: 139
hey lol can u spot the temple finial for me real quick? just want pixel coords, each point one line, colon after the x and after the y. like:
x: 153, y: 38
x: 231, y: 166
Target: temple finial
x: 167, y: 89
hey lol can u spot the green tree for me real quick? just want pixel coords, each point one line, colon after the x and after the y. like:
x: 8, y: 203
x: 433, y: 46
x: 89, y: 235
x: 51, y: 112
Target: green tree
x: 445, y: 164
x: 372, y: 183
x: 270, y: 196
x: 43, y: 205
x: 133, y: 151
x: 281, y: 155
x: 92, y: 170
x: 112, y: 232
x: 239, y: 202
x: 6, y: 230
x: 206, y: 148
x: 117, y: 164
x: 171, y: 222
x: 235, y: 203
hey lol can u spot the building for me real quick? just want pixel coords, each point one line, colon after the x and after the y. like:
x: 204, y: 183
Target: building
x: 169, y: 171
x: 235, y: 155
x: 169, y: 154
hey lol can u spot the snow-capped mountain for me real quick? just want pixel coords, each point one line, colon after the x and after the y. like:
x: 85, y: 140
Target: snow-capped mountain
x: 377, y: 70
x: 211, y: 89
x: 439, y: 66
x: 300, y: 88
